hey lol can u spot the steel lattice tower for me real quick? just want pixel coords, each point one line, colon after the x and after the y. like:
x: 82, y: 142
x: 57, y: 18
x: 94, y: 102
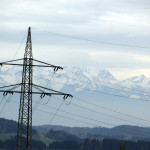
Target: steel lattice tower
x: 24, y: 132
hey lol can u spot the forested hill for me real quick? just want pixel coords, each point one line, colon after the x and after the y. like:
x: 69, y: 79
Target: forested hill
x: 61, y: 136
x: 61, y: 140
x: 9, y: 126
x: 119, y: 132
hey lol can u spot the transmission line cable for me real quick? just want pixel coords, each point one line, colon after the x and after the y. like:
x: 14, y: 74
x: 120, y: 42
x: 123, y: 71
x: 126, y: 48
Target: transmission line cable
x: 124, y: 128
x: 124, y: 114
x: 55, y: 114
x: 103, y: 114
x: 91, y: 110
x: 94, y: 41
x: 72, y: 119
x: 141, y: 92
x: 96, y: 91
x: 110, y: 83
x: 8, y: 98
x: 58, y: 109
x: 95, y: 112
x: 8, y: 70
x: 14, y: 57
x: 111, y: 110
x: 121, y: 119
x: 36, y: 105
x: 102, y: 85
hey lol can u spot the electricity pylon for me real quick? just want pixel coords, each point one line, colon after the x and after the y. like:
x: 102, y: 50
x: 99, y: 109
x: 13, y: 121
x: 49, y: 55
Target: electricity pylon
x: 25, y: 108
x: 24, y: 131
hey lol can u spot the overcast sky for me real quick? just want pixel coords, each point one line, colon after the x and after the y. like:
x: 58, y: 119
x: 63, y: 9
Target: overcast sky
x: 125, y: 22
x: 117, y: 21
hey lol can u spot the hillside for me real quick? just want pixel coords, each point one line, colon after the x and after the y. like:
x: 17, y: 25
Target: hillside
x: 58, y: 135
x: 10, y: 126
x: 60, y: 138
x: 119, y: 132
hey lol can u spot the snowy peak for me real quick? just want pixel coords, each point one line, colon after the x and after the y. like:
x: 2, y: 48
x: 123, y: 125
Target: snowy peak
x: 140, y: 79
x: 104, y: 74
x: 80, y: 78
x: 92, y: 73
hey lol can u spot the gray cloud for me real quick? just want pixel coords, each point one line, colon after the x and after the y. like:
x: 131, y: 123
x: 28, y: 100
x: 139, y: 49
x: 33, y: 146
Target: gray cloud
x: 118, y: 21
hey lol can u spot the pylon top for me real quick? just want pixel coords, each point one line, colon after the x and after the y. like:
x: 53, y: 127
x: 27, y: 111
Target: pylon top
x: 28, y: 49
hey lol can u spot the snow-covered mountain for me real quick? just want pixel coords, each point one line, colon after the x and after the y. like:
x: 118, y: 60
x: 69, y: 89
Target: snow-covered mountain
x: 80, y: 79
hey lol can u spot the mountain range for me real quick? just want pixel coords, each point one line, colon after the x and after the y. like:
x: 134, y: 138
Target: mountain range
x: 55, y: 132
x: 60, y: 138
x: 80, y: 78
x: 94, y: 85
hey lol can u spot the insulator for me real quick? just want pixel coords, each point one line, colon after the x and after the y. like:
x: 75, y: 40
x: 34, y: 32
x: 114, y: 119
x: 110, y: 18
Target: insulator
x: 42, y: 96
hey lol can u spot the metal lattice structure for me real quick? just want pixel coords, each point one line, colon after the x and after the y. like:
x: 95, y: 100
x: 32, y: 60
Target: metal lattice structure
x: 24, y: 131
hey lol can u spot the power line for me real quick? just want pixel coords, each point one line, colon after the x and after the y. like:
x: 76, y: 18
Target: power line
x: 72, y: 119
x: 107, y: 115
x: 105, y: 86
x: 139, y: 99
x: 94, y: 41
x: 104, y: 114
x: 15, y: 55
x: 91, y: 110
x: 111, y: 109
x: 105, y: 93
x: 55, y: 114
x: 36, y: 105
x: 125, y: 129
x: 111, y: 83
x: 9, y: 98
x: 9, y: 69
x: 100, y: 112
x: 141, y: 92
x: 57, y: 109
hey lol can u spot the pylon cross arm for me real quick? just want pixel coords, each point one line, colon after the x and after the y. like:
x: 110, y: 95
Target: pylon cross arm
x: 13, y: 85
x: 11, y: 61
x: 56, y: 68
x: 53, y: 92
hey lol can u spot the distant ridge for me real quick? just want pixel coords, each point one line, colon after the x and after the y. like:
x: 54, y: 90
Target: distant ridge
x: 9, y: 126
x: 85, y: 77
x: 119, y: 132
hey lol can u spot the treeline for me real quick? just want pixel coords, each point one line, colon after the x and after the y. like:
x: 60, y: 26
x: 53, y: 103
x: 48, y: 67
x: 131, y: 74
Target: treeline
x: 87, y: 144
x: 106, y: 144
x: 10, y: 126
x: 10, y: 144
x: 58, y: 135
